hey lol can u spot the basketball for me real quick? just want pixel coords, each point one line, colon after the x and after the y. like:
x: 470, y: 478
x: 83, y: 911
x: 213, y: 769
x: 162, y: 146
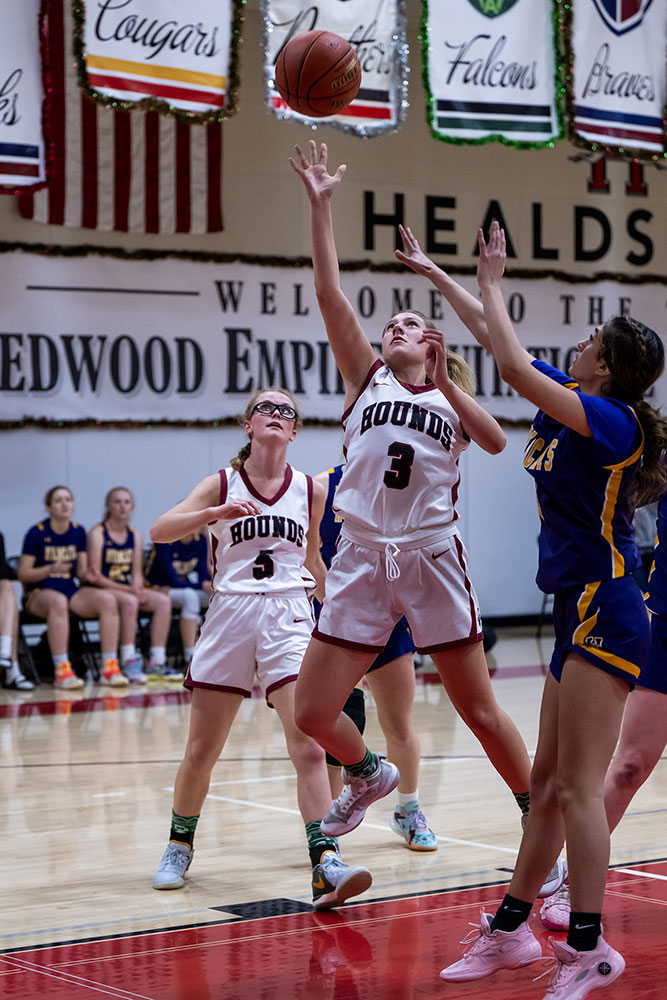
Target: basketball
x: 318, y: 74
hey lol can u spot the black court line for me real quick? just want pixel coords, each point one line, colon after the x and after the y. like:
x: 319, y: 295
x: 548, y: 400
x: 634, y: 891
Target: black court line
x: 115, y: 291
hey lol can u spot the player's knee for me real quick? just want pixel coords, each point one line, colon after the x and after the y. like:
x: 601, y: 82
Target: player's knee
x: 482, y: 719
x: 305, y: 753
x: 630, y: 771
x: 190, y: 608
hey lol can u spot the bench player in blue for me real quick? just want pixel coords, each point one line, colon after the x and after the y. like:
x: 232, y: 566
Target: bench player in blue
x: 181, y: 571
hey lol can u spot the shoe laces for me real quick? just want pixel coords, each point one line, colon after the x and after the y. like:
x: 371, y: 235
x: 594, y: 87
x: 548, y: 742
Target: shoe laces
x: 174, y: 857
x: 472, y: 938
x: 560, y: 897
x: 559, y: 971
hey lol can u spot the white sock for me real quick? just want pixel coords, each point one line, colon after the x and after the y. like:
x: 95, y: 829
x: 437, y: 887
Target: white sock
x: 6, y: 647
x: 127, y: 652
x: 59, y: 658
x: 409, y: 799
x: 189, y: 650
x: 14, y: 671
x: 158, y: 655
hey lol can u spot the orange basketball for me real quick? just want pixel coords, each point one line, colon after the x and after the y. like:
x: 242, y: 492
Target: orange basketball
x: 318, y: 73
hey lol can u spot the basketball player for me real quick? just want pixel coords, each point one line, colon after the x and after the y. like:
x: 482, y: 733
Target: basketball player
x: 263, y: 519
x: 594, y: 451
x: 407, y: 419
x: 115, y: 553
x: 181, y: 571
x: 391, y: 678
x: 53, y: 564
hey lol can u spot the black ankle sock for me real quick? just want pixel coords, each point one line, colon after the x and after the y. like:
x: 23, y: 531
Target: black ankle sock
x: 584, y: 931
x: 511, y: 914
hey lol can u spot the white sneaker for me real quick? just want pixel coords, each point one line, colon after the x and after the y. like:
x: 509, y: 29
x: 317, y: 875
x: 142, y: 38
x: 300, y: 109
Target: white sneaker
x: 176, y: 860
x: 554, y: 879
x: 578, y: 973
x: 491, y: 951
x: 555, y: 911
x: 348, y: 810
x: 334, y: 881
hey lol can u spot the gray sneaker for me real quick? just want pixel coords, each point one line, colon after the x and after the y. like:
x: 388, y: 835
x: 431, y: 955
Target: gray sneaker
x: 334, y: 881
x: 554, y: 879
x: 176, y: 860
x: 348, y: 810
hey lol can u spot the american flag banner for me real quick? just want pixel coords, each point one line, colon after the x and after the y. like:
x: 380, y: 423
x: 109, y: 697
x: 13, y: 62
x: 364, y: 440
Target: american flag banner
x: 22, y: 160
x: 111, y: 169
x: 620, y: 75
x: 377, y: 31
x: 490, y: 71
x: 164, y: 53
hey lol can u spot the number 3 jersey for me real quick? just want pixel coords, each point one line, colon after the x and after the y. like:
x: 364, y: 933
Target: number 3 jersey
x: 263, y: 553
x: 402, y: 445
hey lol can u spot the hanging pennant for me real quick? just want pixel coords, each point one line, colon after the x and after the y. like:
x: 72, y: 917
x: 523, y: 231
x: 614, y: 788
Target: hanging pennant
x: 376, y: 30
x: 22, y: 160
x: 619, y: 76
x: 490, y: 71
x: 180, y: 59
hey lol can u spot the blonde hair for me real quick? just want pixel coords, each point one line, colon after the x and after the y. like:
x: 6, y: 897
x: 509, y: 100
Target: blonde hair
x: 107, y: 500
x: 239, y: 460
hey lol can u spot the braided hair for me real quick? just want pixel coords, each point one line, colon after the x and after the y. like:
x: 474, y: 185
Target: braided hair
x: 635, y: 357
x: 244, y: 454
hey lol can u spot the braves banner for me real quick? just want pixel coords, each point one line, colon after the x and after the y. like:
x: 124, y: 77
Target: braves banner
x: 175, y: 56
x: 119, y: 340
x: 620, y: 74
x: 490, y: 71
x: 22, y: 161
x: 376, y: 29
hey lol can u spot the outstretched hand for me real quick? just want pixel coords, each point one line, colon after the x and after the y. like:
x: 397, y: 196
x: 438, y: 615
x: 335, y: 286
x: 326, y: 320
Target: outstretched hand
x: 492, y: 256
x: 312, y: 170
x: 412, y: 254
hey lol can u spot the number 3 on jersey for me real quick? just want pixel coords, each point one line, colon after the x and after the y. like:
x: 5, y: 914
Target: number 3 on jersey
x: 398, y: 474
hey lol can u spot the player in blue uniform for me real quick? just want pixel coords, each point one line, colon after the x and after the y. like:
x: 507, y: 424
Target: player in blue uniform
x: 393, y: 689
x: 53, y: 564
x: 181, y: 571
x: 594, y: 451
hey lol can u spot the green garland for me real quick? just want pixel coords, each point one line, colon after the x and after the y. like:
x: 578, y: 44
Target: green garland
x: 154, y: 104
x: 430, y: 100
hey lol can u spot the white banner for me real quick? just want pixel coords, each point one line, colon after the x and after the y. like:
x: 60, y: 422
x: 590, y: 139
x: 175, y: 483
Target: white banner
x: 21, y: 95
x: 176, y: 340
x: 620, y: 74
x: 491, y: 71
x: 160, y: 50
x: 376, y: 30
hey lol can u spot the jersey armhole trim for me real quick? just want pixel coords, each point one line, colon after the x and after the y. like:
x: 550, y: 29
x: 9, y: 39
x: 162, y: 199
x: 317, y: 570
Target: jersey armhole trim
x: 378, y: 363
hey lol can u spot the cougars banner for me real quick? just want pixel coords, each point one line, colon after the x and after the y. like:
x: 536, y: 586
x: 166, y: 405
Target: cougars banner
x: 490, y: 70
x: 376, y: 29
x: 175, y: 56
x: 116, y: 340
x: 620, y: 74
x: 21, y: 96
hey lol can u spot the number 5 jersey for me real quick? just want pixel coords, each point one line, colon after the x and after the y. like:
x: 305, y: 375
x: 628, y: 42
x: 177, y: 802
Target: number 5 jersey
x: 263, y: 553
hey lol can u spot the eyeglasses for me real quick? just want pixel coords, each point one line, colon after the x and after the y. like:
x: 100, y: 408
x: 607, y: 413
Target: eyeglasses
x: 268, y: 409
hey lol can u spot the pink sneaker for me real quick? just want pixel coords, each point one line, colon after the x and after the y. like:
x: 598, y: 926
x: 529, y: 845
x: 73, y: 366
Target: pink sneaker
x: 578, y: 973
x: 555, y: 911
x: 490, y: 952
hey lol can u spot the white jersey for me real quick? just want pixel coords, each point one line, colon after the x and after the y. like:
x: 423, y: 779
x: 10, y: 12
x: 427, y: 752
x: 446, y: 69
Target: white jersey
x: 264, y: 553
x: 402, y: 446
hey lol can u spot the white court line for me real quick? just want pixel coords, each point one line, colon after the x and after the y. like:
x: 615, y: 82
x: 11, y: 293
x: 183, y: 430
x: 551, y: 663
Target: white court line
x: 108, y: 795
x: 68, y: 977
x: 633, y: 871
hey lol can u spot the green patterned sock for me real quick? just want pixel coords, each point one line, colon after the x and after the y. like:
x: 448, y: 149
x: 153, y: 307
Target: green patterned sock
x: 318, y: 842
x: 365, y: 767
x: 183, y: 828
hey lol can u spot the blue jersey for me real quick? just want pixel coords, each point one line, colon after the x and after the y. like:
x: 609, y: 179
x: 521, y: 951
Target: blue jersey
x: 117, y: 558
x: 331, y: 522
x: 178, y: 564
x: 46, y: 546
x: 582, y: 487
x: 657, y: 581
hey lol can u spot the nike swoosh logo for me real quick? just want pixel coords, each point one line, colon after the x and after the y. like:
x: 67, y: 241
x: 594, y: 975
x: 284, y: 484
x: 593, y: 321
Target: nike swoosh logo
x: 583, y: 927
x: 436, y: 555
x: 319, y: 884
x: 296, y: 620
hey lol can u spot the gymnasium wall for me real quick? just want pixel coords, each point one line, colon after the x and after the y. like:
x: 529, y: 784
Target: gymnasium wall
x: 576, y: 226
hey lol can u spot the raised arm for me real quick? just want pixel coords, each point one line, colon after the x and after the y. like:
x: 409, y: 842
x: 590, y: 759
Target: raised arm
x: 351, y: 348
x: 200, y: 507
x: 514, y: 363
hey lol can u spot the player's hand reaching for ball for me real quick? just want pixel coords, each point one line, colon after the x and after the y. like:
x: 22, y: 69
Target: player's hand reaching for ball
x: 313, y: 171
x: 412, y: 254
x: 492, y: 256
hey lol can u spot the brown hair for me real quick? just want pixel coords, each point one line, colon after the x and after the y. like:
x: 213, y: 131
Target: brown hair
x: 107, y: 500
x: 239, y: 460
x: 635, y: 357
x: 457, y: 367
x: 54, y: 489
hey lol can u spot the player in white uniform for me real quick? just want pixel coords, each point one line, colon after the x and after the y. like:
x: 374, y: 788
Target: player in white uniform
x: 407, y: 419
x: 263, y: 517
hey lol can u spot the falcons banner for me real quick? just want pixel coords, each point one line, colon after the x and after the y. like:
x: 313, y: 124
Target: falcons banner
x: 620, y: 74
x: 178, y: 55
x: 376, y: 30
x: 490, y: 71
x: 21, y: 95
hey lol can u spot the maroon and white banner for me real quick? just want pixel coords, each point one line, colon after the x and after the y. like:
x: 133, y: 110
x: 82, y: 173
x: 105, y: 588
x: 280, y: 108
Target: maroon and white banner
x: 115, y: 340
x: 119, y: 170
x: 22, y: 160
x: 376, y: 30
x: 620, y: 73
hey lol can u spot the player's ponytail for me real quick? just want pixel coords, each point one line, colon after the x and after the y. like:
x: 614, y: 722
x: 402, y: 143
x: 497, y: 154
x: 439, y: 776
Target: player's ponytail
x: 244, y: 454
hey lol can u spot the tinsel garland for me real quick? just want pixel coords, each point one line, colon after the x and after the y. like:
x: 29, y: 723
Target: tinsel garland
x: 152, y: 103
x: 430, y: 100
x: 384, y: 267
x: 89, y: 423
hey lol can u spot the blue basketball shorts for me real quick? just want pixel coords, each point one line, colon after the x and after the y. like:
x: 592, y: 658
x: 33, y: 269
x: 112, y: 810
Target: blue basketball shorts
x: 399, y: 643
x: 654, y: 672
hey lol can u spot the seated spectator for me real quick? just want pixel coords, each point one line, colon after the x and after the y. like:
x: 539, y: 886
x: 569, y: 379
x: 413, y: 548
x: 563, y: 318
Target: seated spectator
x: 115, y: 556
x: 181, y: 570
x: 54, y: 572
x: 10, y: 672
